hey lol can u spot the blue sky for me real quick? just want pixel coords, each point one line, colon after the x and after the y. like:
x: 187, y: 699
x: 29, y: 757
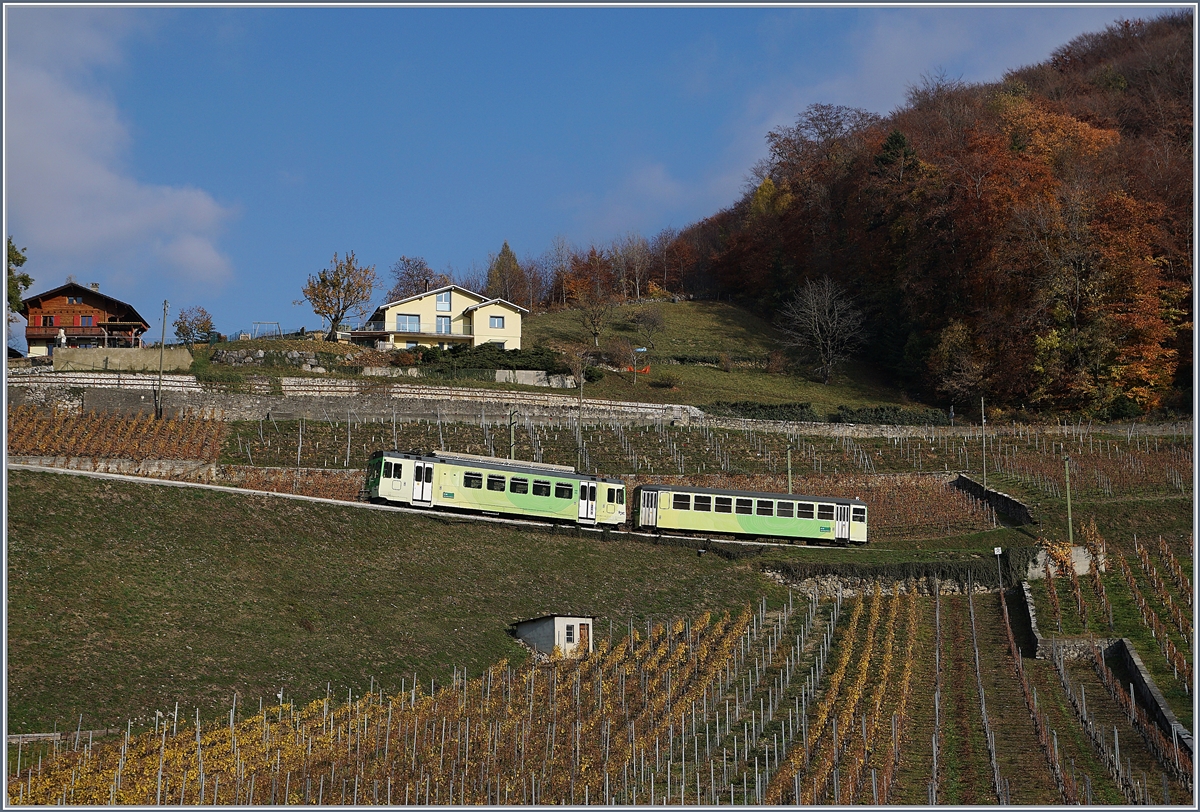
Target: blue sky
x: 218, y: 156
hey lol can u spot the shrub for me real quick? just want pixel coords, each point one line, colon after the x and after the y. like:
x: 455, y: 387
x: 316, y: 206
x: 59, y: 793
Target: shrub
x: 593, y: 374
x: 777, y: 362
x: 890, y: 416
x: 725, y: 362
x: 665, y: 380
x: 797, y: 412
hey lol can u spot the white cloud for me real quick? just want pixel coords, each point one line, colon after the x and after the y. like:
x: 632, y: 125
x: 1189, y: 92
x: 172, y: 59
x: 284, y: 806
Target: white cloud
x: 71, y: 197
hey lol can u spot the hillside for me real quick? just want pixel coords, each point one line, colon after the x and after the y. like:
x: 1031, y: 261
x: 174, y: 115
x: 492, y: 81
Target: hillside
x: 124, y: 598
x: 1027, y: 240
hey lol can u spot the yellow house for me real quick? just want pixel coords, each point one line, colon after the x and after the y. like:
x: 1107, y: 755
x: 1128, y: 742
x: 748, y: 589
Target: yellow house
x: 443, y: 318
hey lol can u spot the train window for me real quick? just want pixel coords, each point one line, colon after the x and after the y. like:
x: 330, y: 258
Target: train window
x: 495, y: 482
x: 518, y: 485
x: 783, y: 509
x: 472, y: 479
x: 804, y: 510
x: 541, y: 487
x: 612, y: 495
x: 723, y: 505
x: 825, y: 512
x: 620, y: 496
x: 745, y: 506
x: 681, y: 501
x: 387, y: 470
x: 703, y: 503
x: 429, y: 473
x: 859, y: 515
x: 564, y: 490
x: 765, y: 507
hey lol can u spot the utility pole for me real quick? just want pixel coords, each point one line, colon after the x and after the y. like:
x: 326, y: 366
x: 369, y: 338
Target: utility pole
x: 1070, y: 529
x: 162, y: 344
x: 983, y: 436
x: 512, y: 433
x: 789, y: 458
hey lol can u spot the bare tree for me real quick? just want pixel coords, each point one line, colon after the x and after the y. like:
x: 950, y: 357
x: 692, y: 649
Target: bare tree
x: 556, y: 263
x: 649, y: 322
x: 624, y: 355
x: 194, y: 324
x: 822, y: 321
x: 596, y: 309
x: 635, y: 253
x: 578, y: 358
x: 413, y: 276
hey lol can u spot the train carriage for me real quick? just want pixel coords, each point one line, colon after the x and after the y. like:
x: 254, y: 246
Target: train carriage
x: 750, y: 513
x: 492, y: 485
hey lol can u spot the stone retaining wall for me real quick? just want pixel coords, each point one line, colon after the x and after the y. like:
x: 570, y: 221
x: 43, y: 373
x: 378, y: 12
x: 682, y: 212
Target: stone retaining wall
x: 1007, y: 506
x: 191, y: 470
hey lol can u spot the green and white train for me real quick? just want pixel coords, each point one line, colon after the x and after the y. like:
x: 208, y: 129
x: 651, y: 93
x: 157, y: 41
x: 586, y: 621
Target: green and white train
x: 751, y: 513
x: 537, y: 490
x: 490, y: 485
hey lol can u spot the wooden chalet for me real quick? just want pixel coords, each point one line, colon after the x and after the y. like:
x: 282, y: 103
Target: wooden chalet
x: 75, y: 315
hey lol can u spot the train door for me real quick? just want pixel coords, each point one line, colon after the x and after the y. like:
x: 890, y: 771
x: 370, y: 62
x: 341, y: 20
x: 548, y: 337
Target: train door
x: 587, y: 502
x: 422, y: 483
x: 648, y: 515
x: 841, y: 528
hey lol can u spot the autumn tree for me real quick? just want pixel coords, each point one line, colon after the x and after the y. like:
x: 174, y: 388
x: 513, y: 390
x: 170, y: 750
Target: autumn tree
x: 821, y: 320
x: 18, y: 282
x: 193, y: 324
x: 345, y: 287
x: 413, y: 276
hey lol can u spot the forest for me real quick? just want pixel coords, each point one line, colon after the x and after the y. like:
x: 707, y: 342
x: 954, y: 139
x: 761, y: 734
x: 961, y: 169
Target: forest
x: 1028, y: 240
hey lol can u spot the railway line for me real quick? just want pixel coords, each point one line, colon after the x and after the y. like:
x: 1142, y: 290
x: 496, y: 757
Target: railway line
x: 446, y: 515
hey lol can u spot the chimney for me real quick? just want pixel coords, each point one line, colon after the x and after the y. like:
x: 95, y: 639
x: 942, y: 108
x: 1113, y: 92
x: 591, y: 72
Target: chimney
x: 426, y: 285
x: 95, y: 286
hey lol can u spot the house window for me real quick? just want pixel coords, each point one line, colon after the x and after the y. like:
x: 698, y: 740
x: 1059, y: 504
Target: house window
x: 724, y: 504
x: 74, y: 300
x: 564, y: 490
x: 495, y: 482
x: 496, y: 322
x: 443, y: 302
x: 472, y: 480
x: 410, y: 345
x: 408, y: 323
x: 681, y: 501
x: 541, y: 487
x: 804, y: 510
x: 85, y: 321
x: 47, y: 321
x: 570, y: 633
x: 825, y: 512
x: 703, y: 503
x: 518, y: 485
x: 443, y: 325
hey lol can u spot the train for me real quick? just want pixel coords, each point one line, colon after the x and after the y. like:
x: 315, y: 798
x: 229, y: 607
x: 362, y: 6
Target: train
x: 558, y: 493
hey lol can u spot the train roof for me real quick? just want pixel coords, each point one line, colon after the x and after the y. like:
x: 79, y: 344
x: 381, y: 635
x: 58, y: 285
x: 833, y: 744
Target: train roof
x: 527, y: 467
x: 794, y: 497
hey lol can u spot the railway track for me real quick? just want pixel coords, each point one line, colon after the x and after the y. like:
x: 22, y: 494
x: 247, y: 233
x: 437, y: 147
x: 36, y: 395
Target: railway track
x: 442, y: 514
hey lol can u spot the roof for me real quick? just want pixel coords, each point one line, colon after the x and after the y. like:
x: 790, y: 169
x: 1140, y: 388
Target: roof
x: 498, y: 301
x: 551, y: 617
x: 500, y: 464
x: 433, y: 292
x: 794, y: 497
x: 83, y: 289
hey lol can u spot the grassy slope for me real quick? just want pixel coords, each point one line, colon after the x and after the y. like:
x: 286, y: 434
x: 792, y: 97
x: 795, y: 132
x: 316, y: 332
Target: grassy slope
x: 125, y: 598
x: 706, y: 329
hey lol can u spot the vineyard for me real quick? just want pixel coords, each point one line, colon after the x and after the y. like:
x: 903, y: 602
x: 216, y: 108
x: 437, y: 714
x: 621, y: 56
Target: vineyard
x: 33, y: 432
x: 873, y: 699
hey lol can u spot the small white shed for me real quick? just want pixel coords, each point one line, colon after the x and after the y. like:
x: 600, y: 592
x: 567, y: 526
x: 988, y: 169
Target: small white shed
x: 571, y: 633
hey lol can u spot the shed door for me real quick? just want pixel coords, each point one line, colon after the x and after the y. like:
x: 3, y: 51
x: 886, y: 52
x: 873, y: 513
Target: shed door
x: 585, y: 644
x: 423, y: 482
x: 587, y: 502
x: 841, y: 529
x: 648, y: 516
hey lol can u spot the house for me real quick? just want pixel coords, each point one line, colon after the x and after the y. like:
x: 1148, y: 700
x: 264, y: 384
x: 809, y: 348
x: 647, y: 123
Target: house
x: 73, y: 315
x: 443, y: 317
x: 572, y: 634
